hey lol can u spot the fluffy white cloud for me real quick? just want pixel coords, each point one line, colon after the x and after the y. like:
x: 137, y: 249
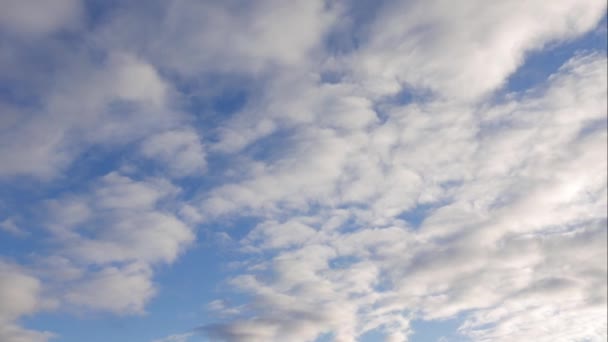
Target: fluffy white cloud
x: 20, y: 294
x: 373, y: 208
x: 122, y: 227
x: 512, y: 188
x: 117, y: 103
x: 115, y: 289
x: 210, y: 36
x: 179, y: 150
x: 466, y: 49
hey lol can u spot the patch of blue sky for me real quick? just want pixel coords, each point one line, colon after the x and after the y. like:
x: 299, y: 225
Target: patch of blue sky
x: 349, y: 36
x: 373, y: 336
x: 593, y: 126
x: 212, y: 94
x: 330, y: 77
x: 343, y: 262
x: 328, y: 337
x: 19, y: 91
x: 415, y: 216
x: 18, y: 94
x: 22, y: 201
x: 424, y: 331
x: 539, y: 65
x: 98, y: 327
x: 100, y: 11
x: 437, y: 330
x: 383, y: 284
x: 230, y: 101
x: 406, y: 96
x: 237, y: 227
x: 271, y: 147
x: 21, y: 248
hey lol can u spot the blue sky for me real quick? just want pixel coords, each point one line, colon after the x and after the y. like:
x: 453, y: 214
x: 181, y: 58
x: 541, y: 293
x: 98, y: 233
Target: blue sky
x: 340, y: 171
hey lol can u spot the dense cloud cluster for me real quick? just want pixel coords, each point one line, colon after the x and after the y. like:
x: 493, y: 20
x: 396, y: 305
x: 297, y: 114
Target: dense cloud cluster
x: 390, y: 175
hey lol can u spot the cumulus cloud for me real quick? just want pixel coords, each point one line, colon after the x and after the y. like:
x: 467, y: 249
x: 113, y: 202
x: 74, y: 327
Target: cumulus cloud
x: 505, y: 182
x: 387, y: 175
x: 179, y: 150
x: 117, y: 103
x: 195, y: 33
x: 121, y: 227
x: 118, y: 290
x: 20, y: 294
x: 442, y: 46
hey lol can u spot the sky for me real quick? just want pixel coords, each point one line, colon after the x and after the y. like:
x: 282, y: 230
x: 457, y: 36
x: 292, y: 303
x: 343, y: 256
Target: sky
x: 305, y: 170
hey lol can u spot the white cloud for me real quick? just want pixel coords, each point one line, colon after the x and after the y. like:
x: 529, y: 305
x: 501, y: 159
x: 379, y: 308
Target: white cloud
x: 484, y: 249
x: 272, y: 234
x: 20, y: 295
x: 14, y: 333
x: 464, y: 50
x: 122, y: 227
x: 21, y: 299
x: 180, y: 151
x: 120, y: 102
x: 207, y: 36
x: 373, y: 210
x: 121, y: 290
x: 39, y: 17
